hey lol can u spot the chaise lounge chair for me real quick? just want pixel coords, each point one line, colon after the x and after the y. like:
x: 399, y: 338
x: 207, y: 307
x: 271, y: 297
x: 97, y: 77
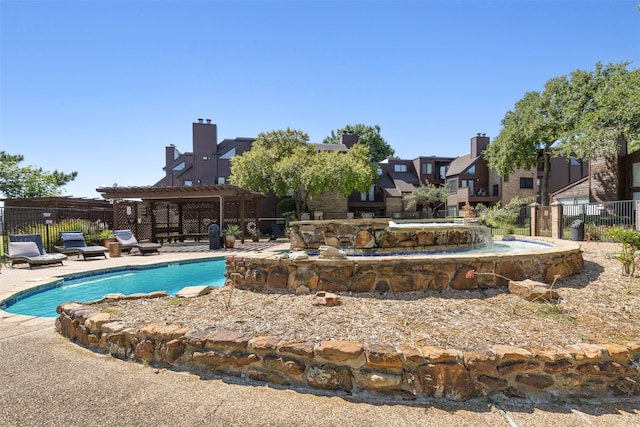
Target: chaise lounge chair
x: 129, y: 241
x: 28, y: 249
x: 276, y: 232
x: 73, y: 243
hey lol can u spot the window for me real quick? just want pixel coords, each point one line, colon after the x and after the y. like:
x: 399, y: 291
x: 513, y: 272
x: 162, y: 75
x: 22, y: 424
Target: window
x: 453, y: 188
x: 427, y: 168
x: 229, y: 154
x: 369, y: 196
x: 221, y: 180
x: 187, y: 182
x: 443, y: 172
x: 636, y: 175
x: 526, y: 182
x: 469, y: 183
x: 180, y: 166
x: 400, y: 168
x: 470, y: 171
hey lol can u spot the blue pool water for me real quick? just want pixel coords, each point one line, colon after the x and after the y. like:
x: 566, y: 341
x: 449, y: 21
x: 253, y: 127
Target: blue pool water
x: 42, y: 302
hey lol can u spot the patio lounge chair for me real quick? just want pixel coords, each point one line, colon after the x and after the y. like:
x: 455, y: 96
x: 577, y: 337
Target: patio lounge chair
x: 129, y: 241
x: 28, y: 249
x: 276, y: 232
x: 73, y: 243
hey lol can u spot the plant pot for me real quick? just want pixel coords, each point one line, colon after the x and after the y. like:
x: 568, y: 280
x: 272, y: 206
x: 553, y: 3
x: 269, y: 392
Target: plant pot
x: 107, y: 242
x: 229, y: 241
x: 255, y: 237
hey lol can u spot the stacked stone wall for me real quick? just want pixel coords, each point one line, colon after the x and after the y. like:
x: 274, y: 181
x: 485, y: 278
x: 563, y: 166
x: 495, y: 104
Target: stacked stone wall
x: 362, y: 368
x: 402, y: 274
x: 375, y: 235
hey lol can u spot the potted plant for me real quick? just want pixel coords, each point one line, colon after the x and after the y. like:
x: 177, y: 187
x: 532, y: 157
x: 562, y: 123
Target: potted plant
x: 231, y: 233
x: 255, y: 236
x: 107, y: 237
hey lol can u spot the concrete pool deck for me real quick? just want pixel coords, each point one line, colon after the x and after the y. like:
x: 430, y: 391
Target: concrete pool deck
x: 46, y: 380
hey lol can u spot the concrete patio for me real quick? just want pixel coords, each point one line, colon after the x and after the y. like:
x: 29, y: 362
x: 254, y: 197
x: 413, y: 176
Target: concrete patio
x: 47, y: 380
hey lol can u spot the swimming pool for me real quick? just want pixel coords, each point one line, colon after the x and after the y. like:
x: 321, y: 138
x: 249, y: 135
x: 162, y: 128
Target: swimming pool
x: 171, y: 277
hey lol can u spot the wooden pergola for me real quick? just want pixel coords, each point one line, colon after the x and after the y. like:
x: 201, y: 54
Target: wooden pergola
x: 148, y: 222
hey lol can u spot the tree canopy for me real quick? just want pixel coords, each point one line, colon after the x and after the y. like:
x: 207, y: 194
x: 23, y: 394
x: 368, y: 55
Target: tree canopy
x: 28, y: 181
x: 579, y: 115
x: 370, y: 136
x: 428, y: 196
x: 284, y: 162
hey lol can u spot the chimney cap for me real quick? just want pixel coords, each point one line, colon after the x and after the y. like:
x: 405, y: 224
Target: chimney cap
x: 200, y: 120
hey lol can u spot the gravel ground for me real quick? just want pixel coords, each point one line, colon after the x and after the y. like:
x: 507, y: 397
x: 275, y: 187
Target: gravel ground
x: 598, y: 306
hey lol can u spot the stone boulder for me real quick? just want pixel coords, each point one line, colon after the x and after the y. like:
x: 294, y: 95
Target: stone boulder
x: 531, y: 290
x: 331, y: 252
x: 326, y: 298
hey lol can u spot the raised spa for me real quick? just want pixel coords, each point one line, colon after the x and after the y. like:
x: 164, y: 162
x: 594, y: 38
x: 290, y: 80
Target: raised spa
x: 409, y: 257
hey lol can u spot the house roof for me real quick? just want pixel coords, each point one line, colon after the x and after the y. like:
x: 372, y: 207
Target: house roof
x: 460, y: 164
x: 184, y: 192
x: 331, y: 147
x: 396, y: 183
x: 573, y: 185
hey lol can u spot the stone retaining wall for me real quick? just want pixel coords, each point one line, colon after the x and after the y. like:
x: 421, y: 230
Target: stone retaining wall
x: 402, y: 274
x: 379, y: 369
x: 374, y: 235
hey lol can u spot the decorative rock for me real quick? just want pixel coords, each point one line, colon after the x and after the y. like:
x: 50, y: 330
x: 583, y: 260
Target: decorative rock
x: 441, y: 355
x: 535, y: 380
x: 341, y: 352
x: 302, y: 290
x: 364, y: 239
x: 531, y: 290
x: 303, y: 276
x: 329, y: 379
x: 326, y: 299
x: 229, y: 340
x: 382, y: 356
x: 377, y: 380
x: 297, y: 348
x: 507, y: 353
x: 95, y: 322
x: 193, y: 291
x: 298, y: 255
x: 331, y: 252
x: 452, y: 381
x: 262, y: 345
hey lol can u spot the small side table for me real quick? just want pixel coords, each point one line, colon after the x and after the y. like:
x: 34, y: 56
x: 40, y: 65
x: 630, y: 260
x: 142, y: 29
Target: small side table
x: 115, y: 249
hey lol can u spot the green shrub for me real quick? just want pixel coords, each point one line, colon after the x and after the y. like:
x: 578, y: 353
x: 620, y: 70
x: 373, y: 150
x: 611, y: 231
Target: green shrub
x: 629, y: 240
x: 285, y: 206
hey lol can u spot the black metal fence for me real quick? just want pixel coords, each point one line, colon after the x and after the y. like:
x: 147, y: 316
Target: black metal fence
x: 49, y: 222
x: 596, y: 217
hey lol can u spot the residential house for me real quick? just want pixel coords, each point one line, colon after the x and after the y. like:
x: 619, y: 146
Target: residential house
x: 607, y: 180
x: 397, y: 179
x: 210, y: 163
x: 471, y: 181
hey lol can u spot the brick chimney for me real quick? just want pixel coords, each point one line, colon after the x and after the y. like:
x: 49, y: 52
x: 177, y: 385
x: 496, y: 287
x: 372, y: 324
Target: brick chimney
x: 349, y: 139
x: 478, y: 144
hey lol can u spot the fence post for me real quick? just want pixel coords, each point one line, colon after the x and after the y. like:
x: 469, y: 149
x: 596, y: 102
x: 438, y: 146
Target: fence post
x: 637, y: 208
x: 533, y: 218
x: 556, y: 220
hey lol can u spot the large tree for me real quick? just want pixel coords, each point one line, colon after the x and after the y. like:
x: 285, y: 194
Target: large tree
x: 577, y: 115
x: 28, y: 181
x: 370, y: 136
x: 427, y: 196
x: 284, y: 162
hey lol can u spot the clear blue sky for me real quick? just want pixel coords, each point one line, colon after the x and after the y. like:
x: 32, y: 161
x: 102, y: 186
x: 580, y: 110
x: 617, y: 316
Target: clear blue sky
x: 101, y: 87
